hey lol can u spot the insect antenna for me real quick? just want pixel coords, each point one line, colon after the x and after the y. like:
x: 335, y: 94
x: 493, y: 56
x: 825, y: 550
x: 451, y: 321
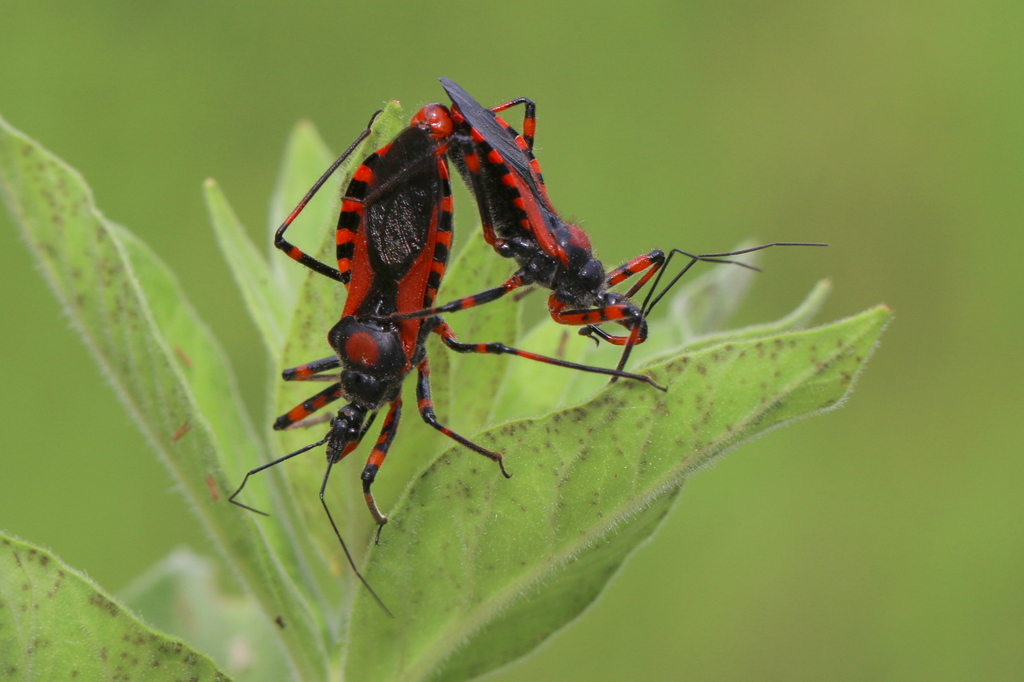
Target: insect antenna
x: 653, y: 299
x: 258, y: 469
x: 708, y: 258
x: 348, y: 555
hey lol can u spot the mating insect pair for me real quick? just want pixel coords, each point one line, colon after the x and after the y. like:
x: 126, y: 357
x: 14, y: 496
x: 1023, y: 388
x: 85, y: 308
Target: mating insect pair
x: 393, y: 240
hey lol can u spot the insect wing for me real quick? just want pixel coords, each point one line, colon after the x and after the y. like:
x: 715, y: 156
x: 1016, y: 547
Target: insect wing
x: 534, y: 203
x: 498, y: 137
x: 398, y: 207
x: 398, y: 199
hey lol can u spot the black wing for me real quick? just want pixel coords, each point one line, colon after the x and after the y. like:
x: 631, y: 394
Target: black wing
x: 498, y: 137
x: 401, y: 202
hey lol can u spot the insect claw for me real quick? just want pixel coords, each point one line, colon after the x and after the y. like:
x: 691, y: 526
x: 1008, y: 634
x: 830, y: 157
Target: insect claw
x: 588, y: 332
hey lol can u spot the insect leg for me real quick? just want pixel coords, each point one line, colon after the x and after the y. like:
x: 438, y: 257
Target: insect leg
x: 376, y: 460
x: 426, y: 407
x: 448, y: 337
x: 294, y: 252
x: 311, y: 371
x: 529, y: 118
x: 511, y: 284
x: 308, y: 407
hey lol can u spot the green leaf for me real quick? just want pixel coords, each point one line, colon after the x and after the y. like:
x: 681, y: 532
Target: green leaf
x: 703, y: 303
x: 798, y: 319
x: 56, y: 624
x: 261, y: 292
x: 480, y: 570
x: 533, y: 388
x: 180, y: 596
x: 163, y: 363
x: 306, y: 157
x: 271, y: 287
x: 469, y: 555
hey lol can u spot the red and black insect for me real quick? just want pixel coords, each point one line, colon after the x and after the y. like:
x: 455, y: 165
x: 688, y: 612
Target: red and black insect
x: 393, y: 240
x: 520, y: 222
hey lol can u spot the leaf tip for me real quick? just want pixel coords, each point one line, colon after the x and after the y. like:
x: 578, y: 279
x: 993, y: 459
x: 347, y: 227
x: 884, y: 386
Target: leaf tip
x: 882, y: 312
x: 213, y: 195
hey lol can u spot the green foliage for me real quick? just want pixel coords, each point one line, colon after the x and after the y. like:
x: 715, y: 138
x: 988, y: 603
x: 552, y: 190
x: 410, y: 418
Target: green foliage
x: 164, y: 364
x: 55, y: 624
x: 478, y: 569
x: 180, y: 594
x: 580, y: 474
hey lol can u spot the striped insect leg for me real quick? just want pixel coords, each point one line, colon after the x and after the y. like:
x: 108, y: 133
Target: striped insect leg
x: 495, y: 348
x: 651, y: 262
x: 376, y: 460
x: 294, y: 252
x: 308, y: 407
x: 656, y: 262
x: 426, y: 407
x: 529, y: 120
x: 311, y: 371
x: 511, y: 284
x: 525, y: 141
x: 624, y: 313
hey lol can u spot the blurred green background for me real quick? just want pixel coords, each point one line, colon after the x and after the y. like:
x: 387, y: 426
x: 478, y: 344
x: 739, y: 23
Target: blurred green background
x: 883, y: 541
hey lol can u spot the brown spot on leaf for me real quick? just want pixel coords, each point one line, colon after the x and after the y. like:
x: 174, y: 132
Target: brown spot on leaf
x: 182, y: 430
x: 211, y: 485
x: 104, y: 604
x: 182, y: 356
